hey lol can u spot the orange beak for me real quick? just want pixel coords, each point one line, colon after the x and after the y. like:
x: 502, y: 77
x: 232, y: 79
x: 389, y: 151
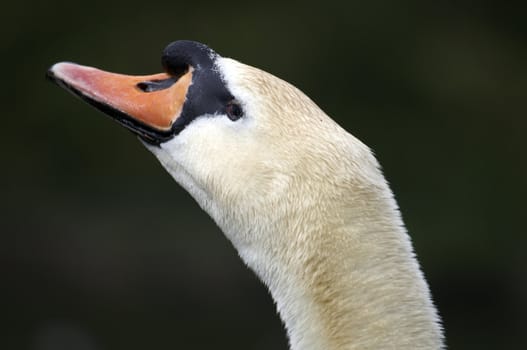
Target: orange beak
x: 148, y: 105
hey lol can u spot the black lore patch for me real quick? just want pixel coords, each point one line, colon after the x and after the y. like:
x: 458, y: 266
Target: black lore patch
x: 207, y: 95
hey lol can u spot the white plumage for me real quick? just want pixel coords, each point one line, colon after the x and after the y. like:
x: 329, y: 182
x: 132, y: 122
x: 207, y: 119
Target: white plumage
x: 308, y: 209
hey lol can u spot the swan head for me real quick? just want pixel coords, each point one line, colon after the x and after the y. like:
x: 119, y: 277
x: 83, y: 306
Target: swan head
x: 242, y: 142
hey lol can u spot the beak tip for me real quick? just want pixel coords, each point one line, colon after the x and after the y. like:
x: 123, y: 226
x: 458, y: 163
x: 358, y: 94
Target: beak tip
x: 51, y: 72
x: 58, y: 73
x: 50, y: 75
x: 59, y: 69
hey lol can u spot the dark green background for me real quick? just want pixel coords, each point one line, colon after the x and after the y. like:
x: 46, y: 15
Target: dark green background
x: 99, y: 247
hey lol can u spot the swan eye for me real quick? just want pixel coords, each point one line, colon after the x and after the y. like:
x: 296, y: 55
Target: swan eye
x: 234, y: 111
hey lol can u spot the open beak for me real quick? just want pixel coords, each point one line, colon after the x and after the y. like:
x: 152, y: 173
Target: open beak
x: 148, y: 105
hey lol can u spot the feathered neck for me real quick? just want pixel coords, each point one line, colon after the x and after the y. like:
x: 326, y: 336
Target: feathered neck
x: 344, y: 276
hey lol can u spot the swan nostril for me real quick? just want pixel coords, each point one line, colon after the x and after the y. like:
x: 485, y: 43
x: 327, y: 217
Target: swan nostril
x: 155, y: 85
x: 143, y: 86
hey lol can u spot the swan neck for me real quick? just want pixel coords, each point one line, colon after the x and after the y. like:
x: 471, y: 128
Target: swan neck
x: 354, y: 284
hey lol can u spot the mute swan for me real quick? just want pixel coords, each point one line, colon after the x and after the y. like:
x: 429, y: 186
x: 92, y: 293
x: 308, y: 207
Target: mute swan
x: 302, y: 200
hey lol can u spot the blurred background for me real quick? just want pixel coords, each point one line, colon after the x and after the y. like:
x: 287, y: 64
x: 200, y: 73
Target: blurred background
x: 100, y: 249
